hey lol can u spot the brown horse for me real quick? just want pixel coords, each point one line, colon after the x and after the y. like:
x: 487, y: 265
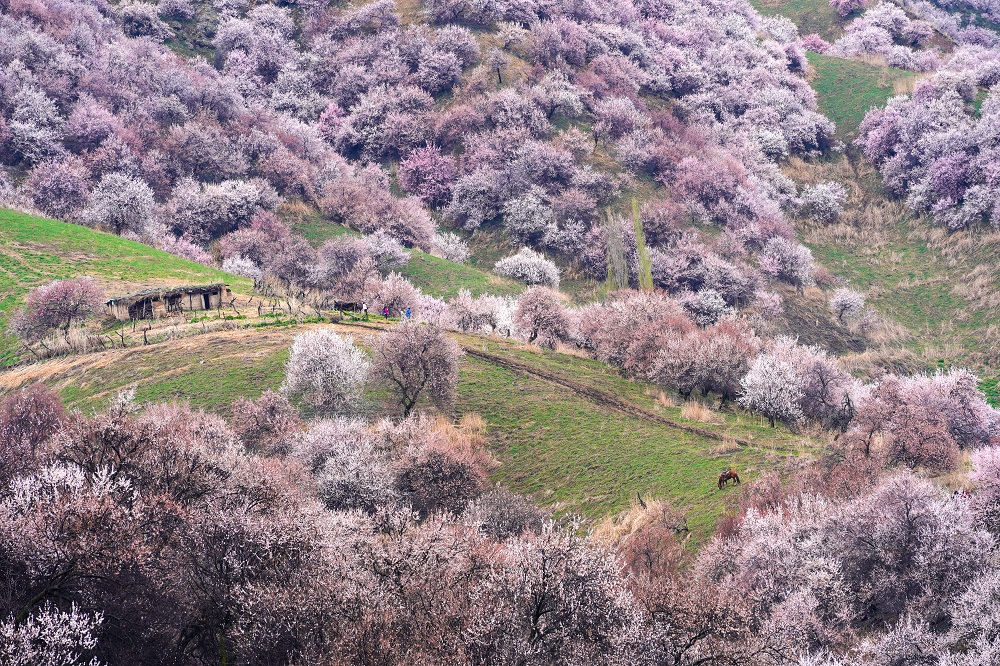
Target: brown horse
x: 728, y: 474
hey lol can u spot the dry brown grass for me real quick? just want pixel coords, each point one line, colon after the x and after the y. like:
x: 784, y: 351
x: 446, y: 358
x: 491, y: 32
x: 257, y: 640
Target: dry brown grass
x: 468, y: 438
x: 695, y: 410
x: 613, y: 530
x: 726, y: 447
x: 295, y: 207
x: 571, y: 350
x: 662, y: 398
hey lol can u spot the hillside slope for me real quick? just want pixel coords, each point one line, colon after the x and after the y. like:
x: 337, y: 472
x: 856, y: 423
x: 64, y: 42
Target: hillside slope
x: 38, y: 250
x: 568, y: 431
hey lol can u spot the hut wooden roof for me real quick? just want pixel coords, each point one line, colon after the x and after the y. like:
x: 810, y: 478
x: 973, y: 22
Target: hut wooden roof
x: 166, y: 292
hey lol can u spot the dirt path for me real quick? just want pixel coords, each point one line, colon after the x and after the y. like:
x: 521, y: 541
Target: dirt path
x: 601, y: 398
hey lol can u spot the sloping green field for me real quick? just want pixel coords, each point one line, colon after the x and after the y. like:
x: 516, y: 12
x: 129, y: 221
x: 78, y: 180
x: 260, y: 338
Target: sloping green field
x: 556, y: 421
x: 847, y: 89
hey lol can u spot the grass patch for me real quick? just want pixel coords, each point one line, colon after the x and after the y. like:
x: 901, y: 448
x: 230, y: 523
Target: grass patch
x: 576, y: 457
x: 443, y: 278
x: 316, y: 229
x: 809, y: 16
x: 847, y: 89
x: 942, y: 288
x: 433, y: 275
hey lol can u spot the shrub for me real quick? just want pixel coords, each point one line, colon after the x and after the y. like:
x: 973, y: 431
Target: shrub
x: 450, y: 246
x: 529, y: 267
x: 824, y: 202
x: 788, y: 261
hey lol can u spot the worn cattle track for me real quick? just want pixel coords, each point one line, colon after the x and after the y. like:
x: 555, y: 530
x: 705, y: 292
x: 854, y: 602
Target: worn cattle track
x: 600, y: 397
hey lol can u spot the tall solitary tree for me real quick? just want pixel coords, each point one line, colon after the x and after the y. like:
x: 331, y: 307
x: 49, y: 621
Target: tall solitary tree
x: 412, y: 360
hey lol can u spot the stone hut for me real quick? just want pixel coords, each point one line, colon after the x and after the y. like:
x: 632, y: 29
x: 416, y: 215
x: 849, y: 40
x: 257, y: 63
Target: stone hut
x: 161, y: 302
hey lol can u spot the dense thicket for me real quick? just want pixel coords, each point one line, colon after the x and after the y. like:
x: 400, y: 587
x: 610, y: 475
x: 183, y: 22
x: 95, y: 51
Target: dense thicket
x: 170, y: 536
x: 537, y: 118
x: 938, y: 151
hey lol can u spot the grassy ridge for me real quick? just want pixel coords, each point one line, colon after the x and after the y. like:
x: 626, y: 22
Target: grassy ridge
x: 36, y: 250
x: 569, y: 451
x: 443, y: 278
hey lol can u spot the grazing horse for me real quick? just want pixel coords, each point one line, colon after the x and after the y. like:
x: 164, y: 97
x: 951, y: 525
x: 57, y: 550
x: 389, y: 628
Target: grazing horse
x: 728, y: 474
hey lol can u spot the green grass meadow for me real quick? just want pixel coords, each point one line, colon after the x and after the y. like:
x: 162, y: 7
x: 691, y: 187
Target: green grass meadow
x: 847, y: 89
x: 568, y: 451
x: 809, y: 16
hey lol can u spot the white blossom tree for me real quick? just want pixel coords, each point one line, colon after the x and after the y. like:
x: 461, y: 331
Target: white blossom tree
x: 824, y: 202
x: 121, y: 203
x: 325, y: 370
x: 529, y: 267
x: 51, y: 637
x: 772, y: 387
x: 847, y: 304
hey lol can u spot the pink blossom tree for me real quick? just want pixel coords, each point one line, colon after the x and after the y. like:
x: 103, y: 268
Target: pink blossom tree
x: 412, y: 361
x: 541, y: 315
x: 57, y: 306
x: 428, y: 174
x: 59, y: 188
